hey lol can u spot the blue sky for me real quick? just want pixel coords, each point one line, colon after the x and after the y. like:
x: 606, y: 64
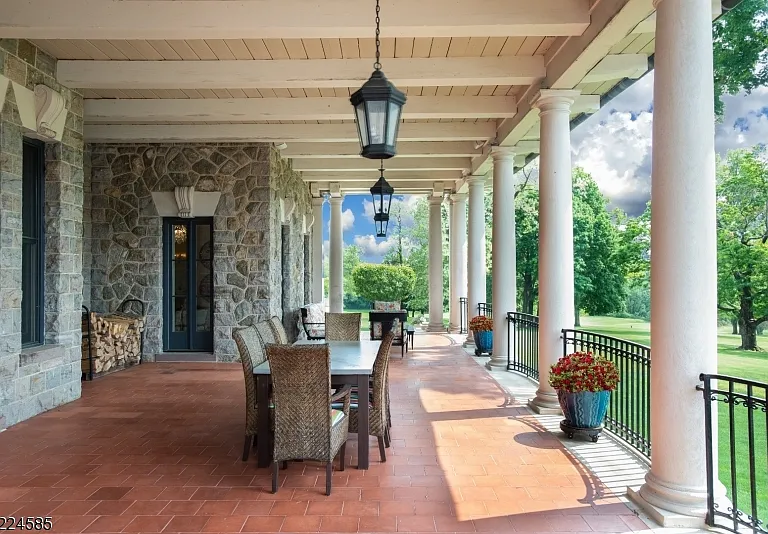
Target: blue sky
x: 614, y: 145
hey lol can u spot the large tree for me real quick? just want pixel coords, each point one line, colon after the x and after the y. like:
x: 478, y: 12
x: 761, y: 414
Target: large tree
x: 742, y: 234
x: 740, y: 48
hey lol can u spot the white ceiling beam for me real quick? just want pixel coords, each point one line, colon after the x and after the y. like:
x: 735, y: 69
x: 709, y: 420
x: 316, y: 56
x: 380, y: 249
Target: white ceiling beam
x: 372, y: 175
x: 297, y: 73
x: 617, y: 67
x: 287, y: 19
x: 394, y: 164
x: 276, y: 133
x: 426, y: 149
x: 114, y: 111
x: 362, y: 187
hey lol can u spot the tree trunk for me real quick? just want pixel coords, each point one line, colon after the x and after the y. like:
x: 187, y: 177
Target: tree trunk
x: 747, y: 323
x: 749, y: 336
x: 577, y: 323
x: 734, y: 326
x: 528, y: 293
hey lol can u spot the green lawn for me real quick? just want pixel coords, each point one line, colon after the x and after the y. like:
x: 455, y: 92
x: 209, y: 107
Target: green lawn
x: 734, y: 362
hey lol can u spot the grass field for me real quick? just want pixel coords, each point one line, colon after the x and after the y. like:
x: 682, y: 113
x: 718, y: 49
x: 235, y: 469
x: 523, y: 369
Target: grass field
x: 734, y: 362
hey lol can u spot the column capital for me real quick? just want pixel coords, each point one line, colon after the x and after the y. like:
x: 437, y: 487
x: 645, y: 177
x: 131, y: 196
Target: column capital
x: 437, y: 199
x: 503, y: 153
x: 336, y: 200
x: 477, y: 179
x: 555, y: 99
x: 318, y: 201
x: 459, y: 197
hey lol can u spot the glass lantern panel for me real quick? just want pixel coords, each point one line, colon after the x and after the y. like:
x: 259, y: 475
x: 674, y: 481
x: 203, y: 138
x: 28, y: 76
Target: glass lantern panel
x: 362, y: 124
x: 377, y: 115
x: 394, y: 121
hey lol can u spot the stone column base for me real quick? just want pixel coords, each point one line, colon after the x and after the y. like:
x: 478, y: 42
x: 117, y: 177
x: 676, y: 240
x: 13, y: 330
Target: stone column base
x: 665, y: 518
x: 454, y: 329
x: 435, y: 328
x: 545, y: 404
x: 496, y: 363
x: 470, y: 341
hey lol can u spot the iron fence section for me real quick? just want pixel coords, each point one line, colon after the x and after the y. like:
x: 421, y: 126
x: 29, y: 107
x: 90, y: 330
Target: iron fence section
x: 463, y: 312
x: 523, y: 344
x: 745, y: 469
x: 629, y: 410
x: 485, y: 309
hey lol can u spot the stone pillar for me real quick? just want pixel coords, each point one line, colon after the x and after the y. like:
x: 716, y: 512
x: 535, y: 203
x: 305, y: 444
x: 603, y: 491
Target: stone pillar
x: 458, y: 259
x: 435, y: 265
x: 556, y: 290
x: 503, y: 252
x: 336, y: 290
x: 317, y: 249
x: 475, y: 248
x: 683, y: 261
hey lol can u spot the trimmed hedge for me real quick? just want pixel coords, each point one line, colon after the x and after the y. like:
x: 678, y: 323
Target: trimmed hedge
x: 384, y: 282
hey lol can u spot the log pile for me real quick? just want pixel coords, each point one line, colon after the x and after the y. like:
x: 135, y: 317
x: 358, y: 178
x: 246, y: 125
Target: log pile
x: 115, y: 342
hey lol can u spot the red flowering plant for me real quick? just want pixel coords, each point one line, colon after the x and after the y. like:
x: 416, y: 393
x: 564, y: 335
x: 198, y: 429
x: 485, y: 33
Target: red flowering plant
x: 582, y: 371
x: 481, y: 323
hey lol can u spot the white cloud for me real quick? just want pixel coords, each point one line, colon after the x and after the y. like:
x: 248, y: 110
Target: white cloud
x: 326, y: 248
x: 347, y: 220
x: 371, y: 247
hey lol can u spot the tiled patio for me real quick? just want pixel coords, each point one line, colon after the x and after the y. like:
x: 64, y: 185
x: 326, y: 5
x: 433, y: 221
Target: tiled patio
x: 157, y: 449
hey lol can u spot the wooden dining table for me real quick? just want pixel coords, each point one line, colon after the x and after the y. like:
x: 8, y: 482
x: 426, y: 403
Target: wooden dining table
x: 351, y: 363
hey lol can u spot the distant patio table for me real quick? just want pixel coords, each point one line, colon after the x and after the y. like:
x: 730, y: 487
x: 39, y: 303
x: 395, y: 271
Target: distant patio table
x: 351, y: 363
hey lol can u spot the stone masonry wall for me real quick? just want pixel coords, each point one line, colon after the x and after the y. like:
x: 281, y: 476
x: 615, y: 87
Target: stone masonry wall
x: 37, y: 379
x: 127, y: 230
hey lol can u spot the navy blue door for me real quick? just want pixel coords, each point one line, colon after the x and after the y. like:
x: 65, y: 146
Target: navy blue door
x: 188, y: 284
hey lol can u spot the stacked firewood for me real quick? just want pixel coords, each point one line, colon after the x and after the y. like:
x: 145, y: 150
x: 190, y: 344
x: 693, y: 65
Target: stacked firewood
x: 115, y: 341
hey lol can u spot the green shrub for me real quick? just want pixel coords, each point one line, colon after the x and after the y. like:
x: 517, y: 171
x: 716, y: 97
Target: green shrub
x: 384, y: 282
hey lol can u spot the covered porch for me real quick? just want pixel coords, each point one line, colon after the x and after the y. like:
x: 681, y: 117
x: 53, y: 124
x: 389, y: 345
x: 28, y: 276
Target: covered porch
x: 157, y: 448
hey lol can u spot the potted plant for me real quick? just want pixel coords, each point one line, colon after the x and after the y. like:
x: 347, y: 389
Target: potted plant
x: 584, y: 383
x: 482, y: 330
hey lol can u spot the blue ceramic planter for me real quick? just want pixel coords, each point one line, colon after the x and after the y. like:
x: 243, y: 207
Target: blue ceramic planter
x: 584, y: 409
x: 483, y: 342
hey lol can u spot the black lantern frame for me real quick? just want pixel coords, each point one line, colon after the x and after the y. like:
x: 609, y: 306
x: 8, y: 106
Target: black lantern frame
x: 382, y: 201
x: 378, y: 106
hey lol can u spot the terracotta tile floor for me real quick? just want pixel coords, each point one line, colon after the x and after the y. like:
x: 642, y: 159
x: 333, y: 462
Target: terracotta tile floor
x: 157, y: 449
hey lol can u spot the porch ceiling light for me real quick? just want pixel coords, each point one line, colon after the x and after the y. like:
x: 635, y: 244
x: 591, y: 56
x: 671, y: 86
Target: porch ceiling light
x: 382, y: 199
x: 378, y: 105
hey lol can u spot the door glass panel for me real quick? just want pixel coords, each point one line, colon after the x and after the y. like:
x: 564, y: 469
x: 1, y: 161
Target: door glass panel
x: 204, y: 278
x: 179, y: 314
x: 179, y: 276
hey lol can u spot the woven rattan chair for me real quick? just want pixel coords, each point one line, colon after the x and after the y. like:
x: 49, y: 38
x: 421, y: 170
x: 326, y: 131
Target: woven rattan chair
x: 307, y: 427
x: 266, y: 332
x: 251, y: 354
x: 378, y: 410
x: 279, y: 330
x: 342, y: 326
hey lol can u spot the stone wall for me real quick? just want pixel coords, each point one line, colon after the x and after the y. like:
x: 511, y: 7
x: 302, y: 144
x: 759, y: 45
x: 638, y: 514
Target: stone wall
x: 127, y: 230
x: 40, y: 378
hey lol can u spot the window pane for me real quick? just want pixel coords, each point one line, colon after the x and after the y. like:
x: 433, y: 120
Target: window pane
x: 394, y: 116
x: 377, y: 114
x: 362, y: 125
x: 32, y: 243
x: 180, y: 314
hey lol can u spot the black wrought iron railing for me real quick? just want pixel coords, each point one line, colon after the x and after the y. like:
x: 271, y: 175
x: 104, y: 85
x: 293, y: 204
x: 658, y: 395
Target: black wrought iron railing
x: 629, y: 411
x: 739, y: 430
x: 483, y: 308
x: 463, y: 320
x: 523, y: 344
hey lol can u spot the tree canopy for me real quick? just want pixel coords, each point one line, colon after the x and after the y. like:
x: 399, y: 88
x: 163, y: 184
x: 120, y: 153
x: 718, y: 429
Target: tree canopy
x: 384, y: 282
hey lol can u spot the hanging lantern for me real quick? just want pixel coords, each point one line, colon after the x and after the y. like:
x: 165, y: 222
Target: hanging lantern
x: 378, y: 105
x: 382, y: 199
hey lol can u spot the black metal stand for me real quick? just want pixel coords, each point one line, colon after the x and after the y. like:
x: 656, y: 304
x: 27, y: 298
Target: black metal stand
x: 570, y: 431
x: 86, y: 318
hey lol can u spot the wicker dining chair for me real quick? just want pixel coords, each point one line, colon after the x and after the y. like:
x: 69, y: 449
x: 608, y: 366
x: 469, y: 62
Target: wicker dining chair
x: 342, y: 326
x: 279, y: 330
x: 252, y: 354
x: 307, y: 427
x: 378, y: 410
x: 266, y: 332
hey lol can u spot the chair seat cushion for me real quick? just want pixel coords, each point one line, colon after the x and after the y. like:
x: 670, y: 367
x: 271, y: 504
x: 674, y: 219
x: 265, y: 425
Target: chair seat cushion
x: 337, y: 416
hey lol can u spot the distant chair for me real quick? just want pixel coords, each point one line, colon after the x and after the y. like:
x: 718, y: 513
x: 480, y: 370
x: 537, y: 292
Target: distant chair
x: 252, y: 354
x: 342, y: 326
x: 307, y: 427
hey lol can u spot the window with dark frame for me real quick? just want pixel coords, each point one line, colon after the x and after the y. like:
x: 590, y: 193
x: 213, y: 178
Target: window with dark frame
x: 32, y: 244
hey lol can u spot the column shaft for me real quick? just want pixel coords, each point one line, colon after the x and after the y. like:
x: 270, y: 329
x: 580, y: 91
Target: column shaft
x: 503, y: 253
x: 336, y: 290
x: 683, y: 259
x: 435, y: 266
x: 317, y: 250
x: 475, y: 248
x: 556, y: 283
x: 458, y: 258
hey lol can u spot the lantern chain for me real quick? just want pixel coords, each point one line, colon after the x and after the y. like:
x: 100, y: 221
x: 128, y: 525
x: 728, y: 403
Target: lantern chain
x: 377, y: 65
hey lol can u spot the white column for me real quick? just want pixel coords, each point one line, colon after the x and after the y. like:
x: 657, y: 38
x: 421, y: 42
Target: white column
x: 683, y: 259
x: 503, y: 251
x: 317, y: 249
x: 556, y: 291
x: 435, y: 265
x: 458, y: 258
x: 475, y: 248
x: 336, y: 290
